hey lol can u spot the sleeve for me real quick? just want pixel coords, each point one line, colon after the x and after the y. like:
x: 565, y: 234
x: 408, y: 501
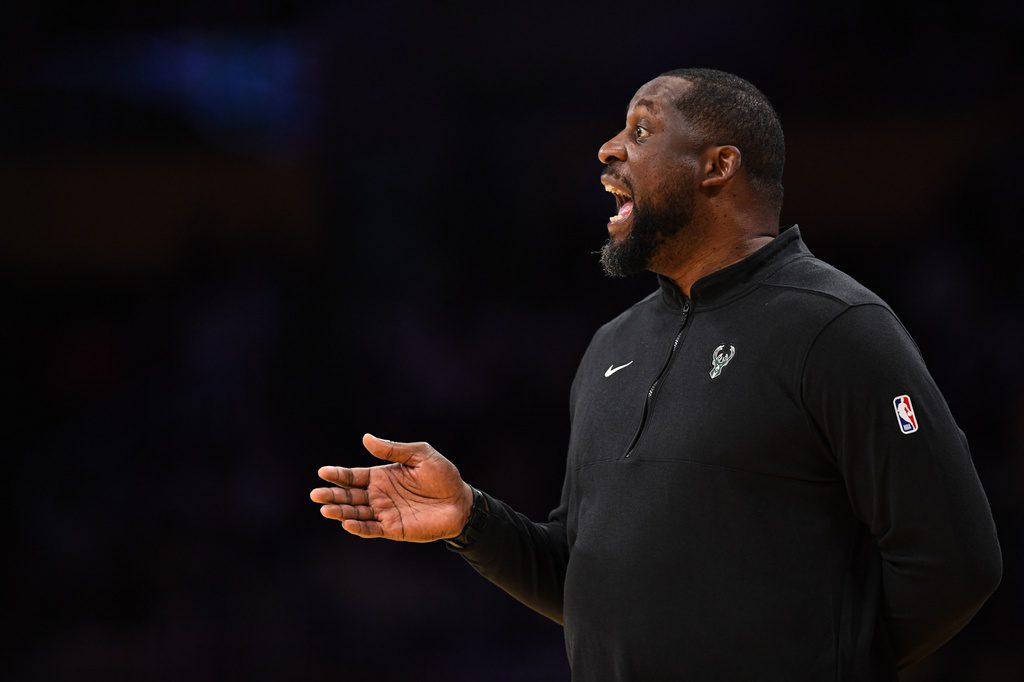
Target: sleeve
x: 526, y: 559
x: 909, y: 476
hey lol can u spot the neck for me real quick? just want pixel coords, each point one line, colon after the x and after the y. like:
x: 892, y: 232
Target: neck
x: 709, y: 250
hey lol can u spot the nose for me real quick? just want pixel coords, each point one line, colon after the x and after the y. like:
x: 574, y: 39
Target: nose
x: 612, y: 149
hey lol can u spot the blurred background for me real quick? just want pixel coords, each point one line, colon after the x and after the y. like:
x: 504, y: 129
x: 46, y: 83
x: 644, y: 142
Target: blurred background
x: 235, y: 236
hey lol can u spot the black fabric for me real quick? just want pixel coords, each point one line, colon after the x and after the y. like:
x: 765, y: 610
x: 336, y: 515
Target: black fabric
x: 771, y: 522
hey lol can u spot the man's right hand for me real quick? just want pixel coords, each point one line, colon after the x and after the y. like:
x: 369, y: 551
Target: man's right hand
x: 419, y: 497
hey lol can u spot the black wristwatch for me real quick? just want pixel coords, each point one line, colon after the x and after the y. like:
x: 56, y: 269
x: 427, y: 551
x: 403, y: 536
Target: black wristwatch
x: 476, y: 523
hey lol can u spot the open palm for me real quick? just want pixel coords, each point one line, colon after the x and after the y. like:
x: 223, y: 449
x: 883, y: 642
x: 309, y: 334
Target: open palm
x: 419, y: 497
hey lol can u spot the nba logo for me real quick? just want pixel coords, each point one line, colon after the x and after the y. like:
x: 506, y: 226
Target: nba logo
x: 905, y: 413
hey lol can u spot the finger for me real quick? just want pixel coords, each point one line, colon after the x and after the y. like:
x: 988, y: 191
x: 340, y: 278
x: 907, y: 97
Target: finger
x: 393, y: 451
x: 364, y: 529
x: 345, y: 477
x: 340, y: 512
x: 340, y: 496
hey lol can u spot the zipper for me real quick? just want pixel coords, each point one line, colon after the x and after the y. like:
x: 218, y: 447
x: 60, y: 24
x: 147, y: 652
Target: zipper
x: 649, y: 401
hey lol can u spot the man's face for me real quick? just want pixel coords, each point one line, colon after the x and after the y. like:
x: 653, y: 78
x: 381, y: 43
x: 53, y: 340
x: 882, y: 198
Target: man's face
x: 652, y: 172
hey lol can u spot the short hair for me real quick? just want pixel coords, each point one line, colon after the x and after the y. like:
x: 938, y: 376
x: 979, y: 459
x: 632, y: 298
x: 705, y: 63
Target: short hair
x: 730, y: 110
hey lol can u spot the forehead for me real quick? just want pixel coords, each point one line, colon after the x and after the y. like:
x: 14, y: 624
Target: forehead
x: 659, y: 94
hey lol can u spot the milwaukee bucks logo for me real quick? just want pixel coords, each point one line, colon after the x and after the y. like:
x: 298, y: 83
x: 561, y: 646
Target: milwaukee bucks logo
x: 720, y: 358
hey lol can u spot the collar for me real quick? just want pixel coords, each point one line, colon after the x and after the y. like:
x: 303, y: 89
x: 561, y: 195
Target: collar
x: 731, y: 282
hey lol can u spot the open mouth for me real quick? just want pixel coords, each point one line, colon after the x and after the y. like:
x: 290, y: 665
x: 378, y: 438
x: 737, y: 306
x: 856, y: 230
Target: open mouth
x: 623, y: 201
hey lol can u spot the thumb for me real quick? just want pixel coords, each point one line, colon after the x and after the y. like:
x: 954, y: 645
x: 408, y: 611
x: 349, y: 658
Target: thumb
x: 393, y: 451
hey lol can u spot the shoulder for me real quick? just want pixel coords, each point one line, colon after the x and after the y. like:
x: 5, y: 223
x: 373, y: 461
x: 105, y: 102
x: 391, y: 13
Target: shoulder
x: 811, y: 277
x: 823, y: 316
x: 850, y: 331
x: 808, y: 295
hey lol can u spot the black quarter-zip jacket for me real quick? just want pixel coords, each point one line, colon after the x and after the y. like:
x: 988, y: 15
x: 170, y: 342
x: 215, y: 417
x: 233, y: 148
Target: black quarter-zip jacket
x: 744, y: 498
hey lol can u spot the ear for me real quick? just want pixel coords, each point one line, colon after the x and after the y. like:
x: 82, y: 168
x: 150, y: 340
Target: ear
x: 719, y: 165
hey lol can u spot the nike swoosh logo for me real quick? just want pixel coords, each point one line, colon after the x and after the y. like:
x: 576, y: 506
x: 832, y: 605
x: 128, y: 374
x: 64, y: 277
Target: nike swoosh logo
x: 612, y: 369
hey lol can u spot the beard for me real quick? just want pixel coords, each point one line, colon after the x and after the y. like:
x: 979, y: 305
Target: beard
x: 652, y: 226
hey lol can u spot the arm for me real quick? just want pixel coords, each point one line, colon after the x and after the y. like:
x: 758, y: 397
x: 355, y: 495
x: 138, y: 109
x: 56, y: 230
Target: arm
x: 421, y: 497
x: 916, y: 491
x: 526, y: 559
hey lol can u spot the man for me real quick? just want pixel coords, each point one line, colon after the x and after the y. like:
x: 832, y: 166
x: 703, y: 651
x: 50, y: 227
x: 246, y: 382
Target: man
x: 763, y: 481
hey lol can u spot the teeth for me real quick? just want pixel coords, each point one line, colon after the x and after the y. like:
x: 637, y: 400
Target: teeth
x: 612, y: 190
x: 615, y: 218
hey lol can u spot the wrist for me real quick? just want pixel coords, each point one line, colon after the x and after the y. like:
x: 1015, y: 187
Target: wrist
x: 475, y: 519
x: 466, y: 501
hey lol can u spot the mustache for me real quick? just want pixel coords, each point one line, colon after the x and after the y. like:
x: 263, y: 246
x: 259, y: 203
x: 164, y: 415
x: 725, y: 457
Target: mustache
x: 613, y: 171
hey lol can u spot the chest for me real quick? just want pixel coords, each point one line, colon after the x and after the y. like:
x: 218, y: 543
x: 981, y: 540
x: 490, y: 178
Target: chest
x: 718, y: 388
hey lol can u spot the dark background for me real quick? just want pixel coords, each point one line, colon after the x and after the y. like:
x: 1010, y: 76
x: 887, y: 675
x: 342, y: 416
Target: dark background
x: 234, y: 236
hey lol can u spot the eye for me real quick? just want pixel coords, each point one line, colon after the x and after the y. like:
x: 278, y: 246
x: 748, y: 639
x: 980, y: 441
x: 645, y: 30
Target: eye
x: 641, y: 133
